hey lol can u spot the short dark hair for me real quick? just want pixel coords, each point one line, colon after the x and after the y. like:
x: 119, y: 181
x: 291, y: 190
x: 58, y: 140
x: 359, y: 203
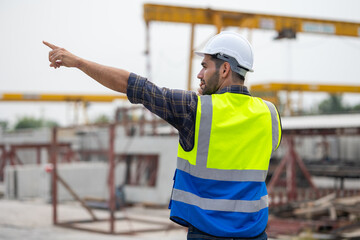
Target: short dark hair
x: 219, y: 62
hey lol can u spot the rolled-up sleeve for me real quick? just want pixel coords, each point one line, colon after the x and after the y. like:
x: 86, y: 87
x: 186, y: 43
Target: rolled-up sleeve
x: 177, y: 107
x: 134, y: 89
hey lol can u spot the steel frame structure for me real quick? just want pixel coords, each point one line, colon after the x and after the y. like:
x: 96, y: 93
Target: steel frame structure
x: 9, y: 153
x: 291, y: 158
x: 112, y: 161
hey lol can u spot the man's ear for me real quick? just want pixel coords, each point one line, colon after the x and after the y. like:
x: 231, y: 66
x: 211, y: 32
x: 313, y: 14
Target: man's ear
x: 225, y: 70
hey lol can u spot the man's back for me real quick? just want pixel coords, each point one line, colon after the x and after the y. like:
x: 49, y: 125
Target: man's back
x: 220, y: 184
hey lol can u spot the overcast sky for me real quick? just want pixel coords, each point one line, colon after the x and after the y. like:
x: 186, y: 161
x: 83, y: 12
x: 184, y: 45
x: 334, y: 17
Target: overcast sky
x: 112, y: 32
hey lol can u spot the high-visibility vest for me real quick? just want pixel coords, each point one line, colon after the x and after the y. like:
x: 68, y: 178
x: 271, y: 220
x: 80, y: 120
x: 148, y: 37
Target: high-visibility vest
x: 219, y: 186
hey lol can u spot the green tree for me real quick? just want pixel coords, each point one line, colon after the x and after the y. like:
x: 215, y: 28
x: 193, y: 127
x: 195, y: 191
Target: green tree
x: 50, y: 123
x: 356, y: 108
x: 102, y: 119
x: 31, y: 122
x: 333, y: 104
x: 3, y: 125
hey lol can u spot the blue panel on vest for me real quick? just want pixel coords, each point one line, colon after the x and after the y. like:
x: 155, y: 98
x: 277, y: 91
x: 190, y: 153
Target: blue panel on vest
x: 222, y: 224
x: 219, y: 189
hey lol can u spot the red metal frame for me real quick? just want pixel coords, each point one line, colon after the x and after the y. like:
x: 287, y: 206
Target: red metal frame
x: 288, y: 162
x: 292, y: 159
x: 144, y: 159
x: 11, y: 157
x: 8, y: 156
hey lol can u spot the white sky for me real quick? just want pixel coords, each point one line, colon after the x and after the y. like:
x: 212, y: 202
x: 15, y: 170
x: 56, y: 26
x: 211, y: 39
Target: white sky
x: 112, y: 32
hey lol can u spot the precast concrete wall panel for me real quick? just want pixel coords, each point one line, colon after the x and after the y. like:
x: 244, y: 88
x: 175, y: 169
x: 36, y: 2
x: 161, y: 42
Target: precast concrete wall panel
x: 166, y: 149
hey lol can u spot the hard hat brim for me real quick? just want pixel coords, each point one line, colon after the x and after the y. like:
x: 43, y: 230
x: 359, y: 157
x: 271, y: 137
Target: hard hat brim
x: 202, y: 54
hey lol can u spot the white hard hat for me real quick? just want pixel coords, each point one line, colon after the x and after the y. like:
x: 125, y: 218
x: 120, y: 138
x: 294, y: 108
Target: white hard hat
x: 230, y: 44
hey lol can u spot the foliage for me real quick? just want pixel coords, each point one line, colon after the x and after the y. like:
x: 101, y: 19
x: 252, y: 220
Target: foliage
x: 3, y: 125
x: 31, y: 122
x: 356, y: 108
x: 333, y: 104
x: 102, y: 119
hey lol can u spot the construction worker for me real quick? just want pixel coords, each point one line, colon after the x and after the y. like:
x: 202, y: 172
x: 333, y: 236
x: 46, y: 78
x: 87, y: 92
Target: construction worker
x: 226, y: 138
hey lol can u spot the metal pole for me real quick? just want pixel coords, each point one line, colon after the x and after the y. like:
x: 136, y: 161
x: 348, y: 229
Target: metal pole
x: 54, y: 174
x: 38, y: 155
x: 84, y: 108
x: 218, y: 21
x: 2, y: 162
x: 75, y: 196
x: 250, y: 38
x: 147, y: 49
x: 291, y: 171
x: 111, y: 176
x: 76, y: 113
x: 191, y: 55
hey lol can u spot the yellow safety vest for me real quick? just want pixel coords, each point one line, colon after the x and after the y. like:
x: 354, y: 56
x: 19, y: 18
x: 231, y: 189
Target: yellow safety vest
x: 219, y: 185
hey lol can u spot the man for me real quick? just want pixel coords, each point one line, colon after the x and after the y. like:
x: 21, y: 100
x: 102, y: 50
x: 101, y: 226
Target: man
x: 226, y: 138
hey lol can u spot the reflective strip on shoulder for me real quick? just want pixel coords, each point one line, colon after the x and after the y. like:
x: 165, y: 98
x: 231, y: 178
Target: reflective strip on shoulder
x: 244, y: 206
x: 274, y: 125
x: 221, y: 174
x: 204, y: 131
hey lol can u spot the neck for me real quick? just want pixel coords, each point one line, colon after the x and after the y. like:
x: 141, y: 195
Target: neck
x: 229, y: 82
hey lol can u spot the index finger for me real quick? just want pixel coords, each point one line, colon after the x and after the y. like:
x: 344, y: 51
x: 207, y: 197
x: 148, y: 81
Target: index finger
x: 52, y: 46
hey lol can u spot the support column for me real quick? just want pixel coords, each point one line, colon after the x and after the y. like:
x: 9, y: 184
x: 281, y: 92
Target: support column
x: 191, y: 56
x: 54, y: 173
x: 291, y: 172
x: 147, y: 49
x: 111, y: 178
x: 38, y: 155
x: 218, y: 22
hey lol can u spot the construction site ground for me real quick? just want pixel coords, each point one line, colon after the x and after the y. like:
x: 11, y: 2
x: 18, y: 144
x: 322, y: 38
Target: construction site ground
x: 32, y: 220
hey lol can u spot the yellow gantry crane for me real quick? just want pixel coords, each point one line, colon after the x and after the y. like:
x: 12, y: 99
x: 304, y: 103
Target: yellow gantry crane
x: 78, y: 99
x: 220, y: 19
x: 35, y: 97
x: 286, y: 26
x: 270, y: 91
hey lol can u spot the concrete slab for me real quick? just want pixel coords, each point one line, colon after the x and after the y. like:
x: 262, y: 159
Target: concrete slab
x: 32, y: 220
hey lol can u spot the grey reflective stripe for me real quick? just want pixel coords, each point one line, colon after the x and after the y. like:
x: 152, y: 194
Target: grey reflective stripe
x: 274, y: 124
x: 204, y: 131
x: 221, y: 174
x: 245, y: 206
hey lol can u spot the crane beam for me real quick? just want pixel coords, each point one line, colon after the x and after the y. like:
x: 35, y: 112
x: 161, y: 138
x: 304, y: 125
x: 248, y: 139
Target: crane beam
x: 59, y: 97
x: 219, y: 18
x: 300, y: 87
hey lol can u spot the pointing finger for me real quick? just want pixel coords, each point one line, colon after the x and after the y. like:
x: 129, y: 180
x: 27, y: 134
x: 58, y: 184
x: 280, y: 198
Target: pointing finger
x: 52, y: 46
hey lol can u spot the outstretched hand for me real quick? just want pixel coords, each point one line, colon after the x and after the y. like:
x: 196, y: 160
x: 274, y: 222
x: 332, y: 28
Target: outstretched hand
x: 61, y: 57
x: 113, y: 78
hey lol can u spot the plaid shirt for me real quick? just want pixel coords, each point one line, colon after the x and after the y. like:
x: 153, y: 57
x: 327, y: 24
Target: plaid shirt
x: 177, y: 107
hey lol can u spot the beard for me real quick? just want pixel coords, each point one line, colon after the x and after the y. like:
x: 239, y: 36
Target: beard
x: 212, y: 84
